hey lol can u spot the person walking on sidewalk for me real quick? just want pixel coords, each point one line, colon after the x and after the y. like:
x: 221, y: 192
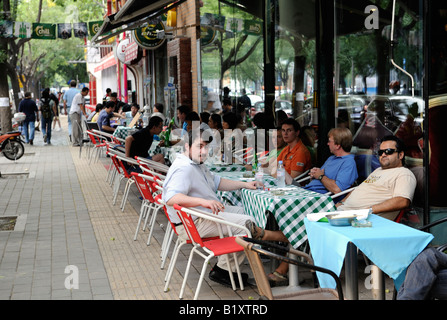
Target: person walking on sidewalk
x: 47, y: 110
x: 76, y: 111
x: 29, y: 108
x: 68, y: 99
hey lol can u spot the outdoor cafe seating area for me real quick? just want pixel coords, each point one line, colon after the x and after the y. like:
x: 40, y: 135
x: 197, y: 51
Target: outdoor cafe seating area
x: 329, y: 249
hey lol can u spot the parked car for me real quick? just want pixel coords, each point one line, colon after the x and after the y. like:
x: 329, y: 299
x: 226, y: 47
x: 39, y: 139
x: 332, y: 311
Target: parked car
x: 350, y: 111
x: 284, y: 105
x: 254, y: 98
x: 392, y: 110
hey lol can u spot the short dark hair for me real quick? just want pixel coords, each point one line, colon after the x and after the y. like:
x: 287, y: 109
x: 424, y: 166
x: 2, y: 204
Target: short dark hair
x: 183, y: 109
x: 159, y: 107
x: 204, y: 116
x: 108, y: 90
x: 73, y: 83
x: 85, y: 89
x: 99, y: 107
x: 110, y: 104
x: 293, y: 122
x: 231, y: 119
x: 217, y: 119
x: 400, y: 145
x: 260, y: 120
x: 192, y: 116
x: 154, y: 121
x: 136, y: 105
x: 114, y: 95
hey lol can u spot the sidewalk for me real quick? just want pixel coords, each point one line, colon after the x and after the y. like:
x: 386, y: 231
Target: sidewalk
x: 69, y: 220
x: 67, y: 223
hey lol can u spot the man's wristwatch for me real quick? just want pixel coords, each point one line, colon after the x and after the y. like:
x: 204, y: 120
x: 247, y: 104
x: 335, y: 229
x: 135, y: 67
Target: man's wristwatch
x: 321, y: 177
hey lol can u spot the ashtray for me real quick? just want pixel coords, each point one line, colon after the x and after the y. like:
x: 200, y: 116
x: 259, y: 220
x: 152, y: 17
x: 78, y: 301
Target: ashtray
x: 277, y: 192
x: 361, y: 224
x: 338, y: 219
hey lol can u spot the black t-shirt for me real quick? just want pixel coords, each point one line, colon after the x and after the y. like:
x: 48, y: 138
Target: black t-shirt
x: 141, y: 144
x: 29, y: 108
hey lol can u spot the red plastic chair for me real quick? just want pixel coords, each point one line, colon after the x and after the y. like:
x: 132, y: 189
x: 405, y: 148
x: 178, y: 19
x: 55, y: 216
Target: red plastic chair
x: 170, y: 232
x: 211, y: 248
x: 148, y: 205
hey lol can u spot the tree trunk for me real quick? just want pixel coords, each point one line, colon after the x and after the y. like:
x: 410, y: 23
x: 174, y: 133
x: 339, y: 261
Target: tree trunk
x: 5, y: 110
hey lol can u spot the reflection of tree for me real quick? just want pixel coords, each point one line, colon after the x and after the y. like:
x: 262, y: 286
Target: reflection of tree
x: 367, y: 53
x: 232, y: 59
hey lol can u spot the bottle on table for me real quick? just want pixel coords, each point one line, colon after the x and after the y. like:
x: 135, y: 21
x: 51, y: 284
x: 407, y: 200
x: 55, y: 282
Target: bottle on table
x: 259, y: 177
x: 280, y: 175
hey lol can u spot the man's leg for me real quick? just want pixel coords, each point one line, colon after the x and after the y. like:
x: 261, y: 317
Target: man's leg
x: 32, y: 129
x: 25, y: 130
x: 75, y: 137
x: 422, y: 274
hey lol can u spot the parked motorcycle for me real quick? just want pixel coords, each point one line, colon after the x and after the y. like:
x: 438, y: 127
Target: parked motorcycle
x: 11, y: 145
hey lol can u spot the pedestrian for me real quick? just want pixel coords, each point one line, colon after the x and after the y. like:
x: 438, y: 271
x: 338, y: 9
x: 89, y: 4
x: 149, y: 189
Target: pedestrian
x: 29, y: 108
x: 56, y: 115
x: 107, y: 96
x: 48, y: 108
x: 68, y: 98
x: 76, y: 112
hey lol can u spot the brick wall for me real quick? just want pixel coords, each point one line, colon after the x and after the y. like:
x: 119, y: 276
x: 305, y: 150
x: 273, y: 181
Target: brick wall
x: 185, y: 49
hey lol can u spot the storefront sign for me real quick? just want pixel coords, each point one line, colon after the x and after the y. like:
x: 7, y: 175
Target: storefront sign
x: 94, y: 26
x: 120, y: 50
x: 131, y: 53
x: 146, y: 37
x: 106, y: 64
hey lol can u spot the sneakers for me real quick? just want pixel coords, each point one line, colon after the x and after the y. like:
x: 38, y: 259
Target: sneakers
x: 31, y: 142
x: 44, y: 138
x: 222, y: 277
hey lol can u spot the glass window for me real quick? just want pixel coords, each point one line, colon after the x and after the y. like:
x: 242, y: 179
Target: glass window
x: 382, y: 77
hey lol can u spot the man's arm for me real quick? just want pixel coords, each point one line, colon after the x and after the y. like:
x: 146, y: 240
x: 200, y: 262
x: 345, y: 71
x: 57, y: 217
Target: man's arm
x: 229, y: 185
x: 393, y: 204
x: 328, y: 183
x: 187, y: 201
x: 129, y: 140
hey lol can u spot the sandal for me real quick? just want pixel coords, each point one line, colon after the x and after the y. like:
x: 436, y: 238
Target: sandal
x: 277, y: 279
x: 254, y: 230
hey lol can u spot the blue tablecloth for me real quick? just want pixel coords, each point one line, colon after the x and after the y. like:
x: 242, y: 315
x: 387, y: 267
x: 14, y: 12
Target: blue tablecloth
x: 390, y: 246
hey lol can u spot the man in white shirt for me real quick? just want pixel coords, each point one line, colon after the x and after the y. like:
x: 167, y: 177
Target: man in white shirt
x: 388, y: 189
x: 189, y: 183
x: 76, y: 111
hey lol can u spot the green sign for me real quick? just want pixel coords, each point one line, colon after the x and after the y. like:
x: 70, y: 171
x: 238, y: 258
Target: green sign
x: 146, y: 37
x: 43, y: 31
x: 94, y: 26
x: 253, y: 28
x: 207, y: 35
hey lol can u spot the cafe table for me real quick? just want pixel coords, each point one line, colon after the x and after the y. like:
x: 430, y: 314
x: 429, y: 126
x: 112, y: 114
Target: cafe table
x: 220, y: 167
x: 235, y: 197
x: 289, y: 209
x: 389, y: 245
x: 122, y: 132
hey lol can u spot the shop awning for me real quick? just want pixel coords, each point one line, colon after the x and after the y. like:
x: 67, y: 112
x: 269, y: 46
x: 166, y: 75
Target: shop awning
x: 133, y: 14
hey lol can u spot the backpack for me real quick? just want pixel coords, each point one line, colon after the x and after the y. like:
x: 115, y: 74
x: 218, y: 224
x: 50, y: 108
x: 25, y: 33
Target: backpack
x: 45, y: 108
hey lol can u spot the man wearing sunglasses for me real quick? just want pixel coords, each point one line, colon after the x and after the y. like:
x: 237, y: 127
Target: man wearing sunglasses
x: 388, y: 189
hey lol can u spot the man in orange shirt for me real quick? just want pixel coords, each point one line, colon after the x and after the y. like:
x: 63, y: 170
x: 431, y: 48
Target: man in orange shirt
x: 295, y: 156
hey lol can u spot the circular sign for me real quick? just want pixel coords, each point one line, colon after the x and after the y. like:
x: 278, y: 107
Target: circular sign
x: 120, y: 52
x: 146, y: 37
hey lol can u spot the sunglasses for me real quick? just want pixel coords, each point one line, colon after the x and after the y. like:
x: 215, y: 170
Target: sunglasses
x: 388, y: 151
